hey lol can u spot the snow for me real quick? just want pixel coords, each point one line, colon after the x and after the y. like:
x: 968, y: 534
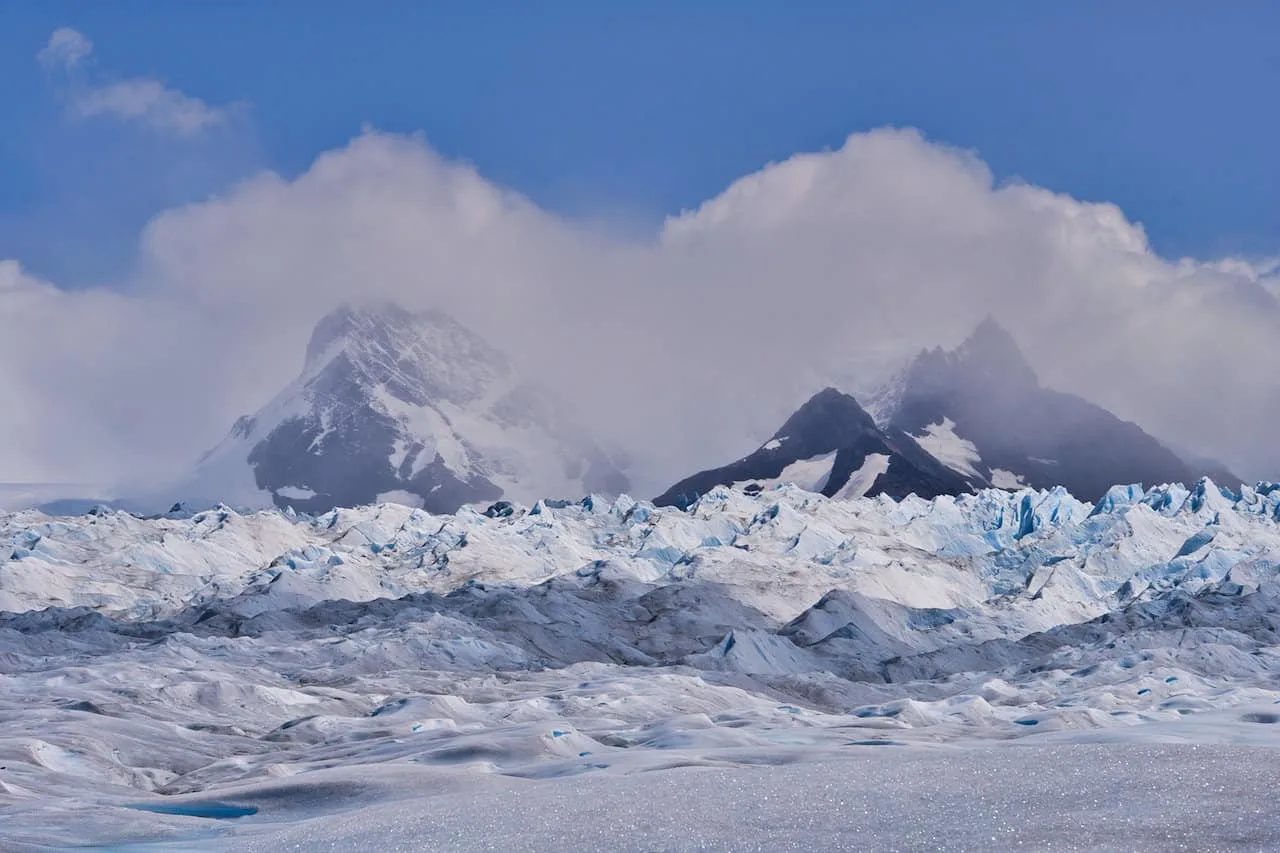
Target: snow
x: 861, y: 481
x: 879, y: 386
x: 443, y: 388
x: 295, y: 493
x: 1119, y: 798
x: 777, y: 670
x: 772, y: 444
x: 1002, y: 479
x: 958, y: 454
x: 399, y: 496
x: 809, y: 474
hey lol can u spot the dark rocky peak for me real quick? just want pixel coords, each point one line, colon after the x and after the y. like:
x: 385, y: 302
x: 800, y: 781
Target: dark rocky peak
x: 407, y: 406
x: 991, y: 353
x: 990, y: 397
x: 988, y: 364
x: 829, y: 420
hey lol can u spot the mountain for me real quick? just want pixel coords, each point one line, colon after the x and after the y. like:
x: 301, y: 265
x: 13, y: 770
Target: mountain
x: 981, y: 410
x: 411, y: 407
x: 832, y: 446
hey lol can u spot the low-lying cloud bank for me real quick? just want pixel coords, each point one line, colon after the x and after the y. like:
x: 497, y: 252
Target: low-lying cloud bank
x: 684, y: 347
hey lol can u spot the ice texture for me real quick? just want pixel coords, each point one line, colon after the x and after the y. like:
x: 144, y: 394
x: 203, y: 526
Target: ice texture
x: 772, y: 670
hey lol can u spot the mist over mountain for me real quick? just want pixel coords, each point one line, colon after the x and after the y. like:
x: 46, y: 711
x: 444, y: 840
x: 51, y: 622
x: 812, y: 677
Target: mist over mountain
x: 833, y: 447
x: 396, y: 405
x: 693, y: 340
x: 983, y: 409
x: 342, y: 356
x: 953, y: 422
x: 413, y: 407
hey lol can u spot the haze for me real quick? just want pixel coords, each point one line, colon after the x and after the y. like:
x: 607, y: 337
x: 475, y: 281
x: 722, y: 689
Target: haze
x: 685, y: 343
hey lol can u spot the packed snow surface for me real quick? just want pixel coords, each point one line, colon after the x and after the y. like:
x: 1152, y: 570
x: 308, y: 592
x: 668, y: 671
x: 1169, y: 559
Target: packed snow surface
x: 774, y: 670
x: 861, y: 480
x: 940, y: 441
x: 809, y: 474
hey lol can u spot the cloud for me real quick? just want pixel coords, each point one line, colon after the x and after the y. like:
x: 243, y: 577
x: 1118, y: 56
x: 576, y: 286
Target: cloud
x: 55, y: 417
x: 150, y: 102
x: 684, y: 347
x: 65, y: 50
x: 141, y: 100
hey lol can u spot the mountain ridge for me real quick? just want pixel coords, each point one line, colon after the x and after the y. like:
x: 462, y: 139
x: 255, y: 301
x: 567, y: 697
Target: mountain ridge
x: 834, y: 443
x: 953, y: 421
x: 392, y: 404
x: 983, y: 399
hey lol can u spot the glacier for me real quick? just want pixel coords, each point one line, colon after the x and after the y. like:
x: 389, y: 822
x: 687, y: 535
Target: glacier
x: 383, y: 675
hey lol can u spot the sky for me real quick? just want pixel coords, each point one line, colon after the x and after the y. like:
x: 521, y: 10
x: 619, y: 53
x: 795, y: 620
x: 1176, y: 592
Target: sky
x: 185, y: 188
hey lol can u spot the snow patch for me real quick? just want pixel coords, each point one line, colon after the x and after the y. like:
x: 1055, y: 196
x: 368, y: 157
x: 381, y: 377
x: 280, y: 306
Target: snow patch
x: 294, y: 493
x: 1002, y: 479
x: 958, y: 454
x: 861, y: 481
x: 399, y: 496
x: 809, y: 474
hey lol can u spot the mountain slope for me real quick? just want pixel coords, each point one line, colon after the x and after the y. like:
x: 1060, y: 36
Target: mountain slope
x: 982, y: 410
x: 832, y: 446
x: 411, y: 407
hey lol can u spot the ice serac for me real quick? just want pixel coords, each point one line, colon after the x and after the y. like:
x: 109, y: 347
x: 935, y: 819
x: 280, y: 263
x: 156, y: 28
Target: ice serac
x: 982, y: 409
x: 831, y: 446
x: 403, y: 406
x: 164, y: 677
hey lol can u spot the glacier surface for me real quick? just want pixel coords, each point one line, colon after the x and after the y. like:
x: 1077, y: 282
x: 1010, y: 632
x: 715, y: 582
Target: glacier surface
x: 812, y: 672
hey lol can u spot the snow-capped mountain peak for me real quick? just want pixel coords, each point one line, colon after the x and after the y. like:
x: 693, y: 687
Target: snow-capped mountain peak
x: 982, y: 410
x: 991, y: 352
x: 397, y: 405
x: 417, y: 357
x: 828, y: 419
x: 832, y: 446
x: 951, y: 422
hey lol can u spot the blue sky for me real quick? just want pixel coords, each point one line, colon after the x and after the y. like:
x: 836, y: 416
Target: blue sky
x: 128, y: 120
x: 626, y: 112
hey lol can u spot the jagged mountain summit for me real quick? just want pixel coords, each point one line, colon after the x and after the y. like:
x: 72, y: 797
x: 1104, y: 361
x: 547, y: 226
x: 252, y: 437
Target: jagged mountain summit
x: 410, y: 407
x: 954, y: 422
x: 981, y: 410
x: 831, y: 446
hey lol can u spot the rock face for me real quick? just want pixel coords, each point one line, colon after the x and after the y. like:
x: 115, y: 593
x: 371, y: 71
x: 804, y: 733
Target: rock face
x: 954, y: 422
x: 982, y: 410
x: 411, y: 407
x: 832, y: 446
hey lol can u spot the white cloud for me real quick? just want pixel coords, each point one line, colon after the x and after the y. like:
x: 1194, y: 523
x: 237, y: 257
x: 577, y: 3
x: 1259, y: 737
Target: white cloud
x: 65, y: 50
x: 150, y: 102
x: 141, y: 100
x: 685, y: 347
